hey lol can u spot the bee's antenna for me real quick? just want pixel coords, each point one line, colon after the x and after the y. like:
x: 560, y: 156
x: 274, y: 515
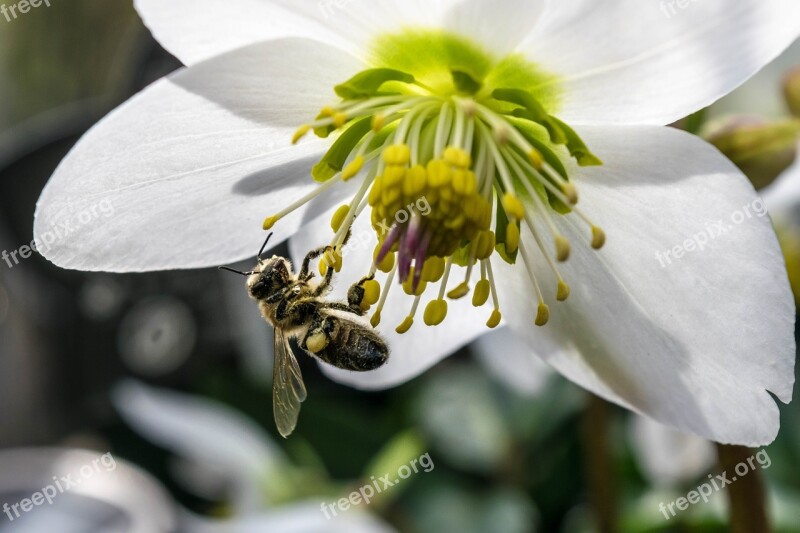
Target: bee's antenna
x: 264, y: 246
x: 229, y: 269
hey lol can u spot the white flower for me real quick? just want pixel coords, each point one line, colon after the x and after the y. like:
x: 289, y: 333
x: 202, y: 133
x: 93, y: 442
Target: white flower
x: 194, y: 163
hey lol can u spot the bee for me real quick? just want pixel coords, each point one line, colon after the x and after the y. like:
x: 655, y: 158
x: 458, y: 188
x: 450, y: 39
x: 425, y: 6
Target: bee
x: 305, y: 322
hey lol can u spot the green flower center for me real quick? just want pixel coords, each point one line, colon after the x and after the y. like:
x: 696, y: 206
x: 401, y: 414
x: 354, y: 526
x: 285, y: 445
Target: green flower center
x: 457, y: 154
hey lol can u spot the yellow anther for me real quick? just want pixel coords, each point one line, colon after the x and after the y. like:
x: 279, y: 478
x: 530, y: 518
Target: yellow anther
x: 408, y: 285
x: 339, y: 119
x: 598, y: 238
x: 388, y: 262
x: 397, y: 154
x: 393, y: 176
x: 317, y: 342
x: 270, y: 221
x: 300, y: 133
x: 513, y: 206
x: 435, y: 312
x: 512, y: 237
x: 439, y: 173
x: 464, y: 182
x: 571, y: 192
x: 563, y: 291
x: 542, y: 314
x: 376, y: 319
x: 405, y: 326
x: 433, y: 270
x: 459, y: 292
x: 536, y: 159
x: 377, y: 122
x: 372, y: 292
x: 457, y: 157
x: 494, y: 320
x: 485, y: 245
x: 326, y: 112
x: 414, y: 182
x: 338, y: 217
x: 562, y: 248
x: 351, y: 170
x: 331, y: 258
x: 481, y: 294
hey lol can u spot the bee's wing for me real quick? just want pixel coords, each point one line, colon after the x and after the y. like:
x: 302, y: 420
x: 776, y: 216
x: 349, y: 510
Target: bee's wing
x: 288, y: 390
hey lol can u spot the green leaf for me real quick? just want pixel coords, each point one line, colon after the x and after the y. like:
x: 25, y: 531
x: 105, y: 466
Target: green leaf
x: 366, y: 84
x: 333, y: 161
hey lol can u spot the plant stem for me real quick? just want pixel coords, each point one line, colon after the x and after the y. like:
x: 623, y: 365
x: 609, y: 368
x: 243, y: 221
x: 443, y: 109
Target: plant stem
x: 746, y: 495
x: 600, y: 477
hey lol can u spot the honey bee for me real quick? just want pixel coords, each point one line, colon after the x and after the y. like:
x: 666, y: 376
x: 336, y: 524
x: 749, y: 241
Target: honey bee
x: 305, y: 322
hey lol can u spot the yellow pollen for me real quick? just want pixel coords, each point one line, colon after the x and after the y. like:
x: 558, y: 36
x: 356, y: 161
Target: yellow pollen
x: 433, y: 269
x: 378, y: 122
x: 481, y: 294
x: 339, y: 216
x: 339, y: 120
x: 512, y: 237
x: 316, y: 343
x: 408, y: 285
x: 375, y: 320
x: 387, y: 264
x: 405, y: 325
x: 351, y: 170
x: 300, y: 133
x: 270, y: 221
x: 562, y: 248
x: 563, y: 291
x: 571, y: 192
x: 542, y: 314
x: 598, y: 238
x: 494, y: 320
x: 326, y: 112
x: 457, y: 157
x: 536, y: 159
x: 372, y: 293
x: 459, y: 292
x: 435, y: 312
x: 513, y: 206
x: 398, y: 154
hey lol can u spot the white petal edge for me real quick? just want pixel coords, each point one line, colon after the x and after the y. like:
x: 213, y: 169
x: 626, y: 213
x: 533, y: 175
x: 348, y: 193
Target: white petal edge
x: 184, y: 173
x: 208, y: 434
x: 196, y: 30
x: 695, y: 344
x: 634, y: 62
x: 411, y: 353
x: 669, y: 458
x: 510, y: 360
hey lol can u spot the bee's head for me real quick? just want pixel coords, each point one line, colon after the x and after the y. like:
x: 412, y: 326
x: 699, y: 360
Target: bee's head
x: 271, y: 276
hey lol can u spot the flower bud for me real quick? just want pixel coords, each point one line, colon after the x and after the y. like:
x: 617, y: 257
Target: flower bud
x: 762, y: 150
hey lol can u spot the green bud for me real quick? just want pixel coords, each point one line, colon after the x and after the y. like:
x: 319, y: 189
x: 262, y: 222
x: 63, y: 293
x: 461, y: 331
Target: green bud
x: 791, y: 90
x: 762, y: 150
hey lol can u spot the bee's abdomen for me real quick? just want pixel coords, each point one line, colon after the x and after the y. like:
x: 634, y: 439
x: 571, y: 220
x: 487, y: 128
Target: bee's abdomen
x: 355, y: 348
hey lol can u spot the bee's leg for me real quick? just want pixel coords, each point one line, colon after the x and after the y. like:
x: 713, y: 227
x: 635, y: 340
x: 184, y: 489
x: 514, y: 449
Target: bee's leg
x: 356, y: 292
x: 336, y: 306
x: 305, y: 270
x: 319, y: 334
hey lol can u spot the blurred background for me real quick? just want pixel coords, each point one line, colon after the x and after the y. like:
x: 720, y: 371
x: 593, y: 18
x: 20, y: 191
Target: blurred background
x: 152, y: 393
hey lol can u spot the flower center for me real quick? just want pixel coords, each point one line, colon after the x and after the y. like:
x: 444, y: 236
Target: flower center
x: 457, y: 156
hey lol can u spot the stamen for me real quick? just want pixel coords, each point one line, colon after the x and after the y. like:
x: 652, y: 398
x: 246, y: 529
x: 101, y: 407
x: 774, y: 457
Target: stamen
x: 494, y: 319
x: 436, y: 310
x: 270, y: 221
x: 543, y: 312
x: 409, y: 320
x: 376, y: 317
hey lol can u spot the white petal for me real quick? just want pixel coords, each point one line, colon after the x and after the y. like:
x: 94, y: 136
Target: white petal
x: 669, y: 457
x: 195, y: 30
x: 304, y: 517
x: 695, y: 343
x: 783, y: 196
x: 634, y: 62
x: 509, y: 359
x: 420, y: 348
x: 183, y: 174
x: 206, y: 433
